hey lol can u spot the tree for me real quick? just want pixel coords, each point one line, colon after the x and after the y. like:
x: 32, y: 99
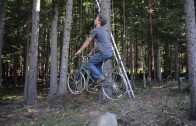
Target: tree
x: 166, y: 30
x: 26, y: 56
x: 65, y: 50
x: 31, y: 92
x: 191, y: 49
x: 53, y: 67
x: 124, y: 57
x: 2, y: 22
x: 106, y: 11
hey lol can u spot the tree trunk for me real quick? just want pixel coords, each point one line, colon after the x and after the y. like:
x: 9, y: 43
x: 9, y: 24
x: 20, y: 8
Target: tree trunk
x: 177, y: 64
x: 149, y: 77
x: 15, y: 69
x: 31, y: 92
x: 27, y: 61
x: 143, y: 64
x: 42, y: 55
x: 81, y: 22
x: 124, y: 36
x: 158, y: 59
x: 136, y: 55
x: 47, y: 63
x: 171, y: 64
x: 131, y: 58
x: 65, y: 50
x: 2, y: 25
x: 106, y: 11
x: 191, y: 49
x: 166, y: 61
x: 53, y: 67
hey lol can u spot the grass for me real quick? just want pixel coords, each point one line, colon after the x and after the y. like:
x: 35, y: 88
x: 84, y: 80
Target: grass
x: 48, y: 121
x: 113, y: 106
x: 151, y: 103
x: 57, y: 118
x: 179, y: 104
x: 10, y: 95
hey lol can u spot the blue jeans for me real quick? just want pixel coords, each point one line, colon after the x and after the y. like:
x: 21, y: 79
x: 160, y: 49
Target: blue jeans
x: 95, y: 63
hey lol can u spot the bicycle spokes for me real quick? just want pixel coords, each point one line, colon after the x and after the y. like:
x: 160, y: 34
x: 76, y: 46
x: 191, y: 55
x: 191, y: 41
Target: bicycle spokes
x: 76, y: 82
x: 116, y: 88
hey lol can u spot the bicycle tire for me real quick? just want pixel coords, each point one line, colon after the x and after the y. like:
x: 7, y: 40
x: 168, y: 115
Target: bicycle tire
x: 76, y: 82
x: 115, y: 87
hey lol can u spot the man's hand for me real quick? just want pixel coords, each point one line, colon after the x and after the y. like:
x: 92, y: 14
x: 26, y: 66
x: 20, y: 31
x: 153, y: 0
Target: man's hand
x: 78, y: 52
x: 90, y: 54
x: 85, y: 44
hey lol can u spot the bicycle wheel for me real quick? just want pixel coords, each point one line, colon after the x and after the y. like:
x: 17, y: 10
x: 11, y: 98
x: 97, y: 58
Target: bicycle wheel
x: 115, y: 87
x: 76, y: 82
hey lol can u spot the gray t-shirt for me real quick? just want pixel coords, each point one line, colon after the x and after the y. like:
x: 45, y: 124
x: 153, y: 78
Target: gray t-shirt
x: 103, y: 39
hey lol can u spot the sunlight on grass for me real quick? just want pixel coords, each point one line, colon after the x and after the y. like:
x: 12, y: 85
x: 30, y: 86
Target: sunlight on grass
x: 11, y: 97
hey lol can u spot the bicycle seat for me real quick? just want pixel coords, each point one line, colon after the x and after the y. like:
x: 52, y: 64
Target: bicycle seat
x: 108, y: 59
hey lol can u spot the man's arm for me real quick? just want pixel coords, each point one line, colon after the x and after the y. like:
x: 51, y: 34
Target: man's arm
x: 93, y: 50
x: 85, y: 44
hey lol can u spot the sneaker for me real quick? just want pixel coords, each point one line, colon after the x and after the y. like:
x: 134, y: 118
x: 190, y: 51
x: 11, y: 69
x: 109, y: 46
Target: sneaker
x: 100, y: 80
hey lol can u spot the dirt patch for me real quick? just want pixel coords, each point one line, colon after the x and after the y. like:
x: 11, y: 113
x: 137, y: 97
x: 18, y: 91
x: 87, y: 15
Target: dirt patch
x: 161, y: 107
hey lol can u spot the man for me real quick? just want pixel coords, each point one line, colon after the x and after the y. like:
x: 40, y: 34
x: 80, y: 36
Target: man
x: 103, y: 48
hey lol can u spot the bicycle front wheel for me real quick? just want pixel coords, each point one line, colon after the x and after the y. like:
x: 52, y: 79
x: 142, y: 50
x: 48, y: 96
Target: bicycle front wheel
x: 116, y: 87
x: 76, y: 82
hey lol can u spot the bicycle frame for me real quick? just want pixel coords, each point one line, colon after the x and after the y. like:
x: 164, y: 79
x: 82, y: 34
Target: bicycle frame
x: 115, y: 86
x: 83, y: 70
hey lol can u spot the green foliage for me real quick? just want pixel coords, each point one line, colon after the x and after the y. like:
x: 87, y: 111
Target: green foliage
x: 15, y: 29
x: 48, y: 2
x: 167, y: 23
x: 88, y: 4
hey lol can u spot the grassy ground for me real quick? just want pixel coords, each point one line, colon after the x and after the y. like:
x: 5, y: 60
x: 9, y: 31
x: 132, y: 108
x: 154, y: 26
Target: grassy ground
x: 153, y: 106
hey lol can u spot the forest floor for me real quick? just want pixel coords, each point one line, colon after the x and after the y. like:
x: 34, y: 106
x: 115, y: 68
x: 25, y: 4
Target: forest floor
x: 153, y: 106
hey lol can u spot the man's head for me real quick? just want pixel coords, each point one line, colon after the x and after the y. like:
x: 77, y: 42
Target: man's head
x: 101, y: 19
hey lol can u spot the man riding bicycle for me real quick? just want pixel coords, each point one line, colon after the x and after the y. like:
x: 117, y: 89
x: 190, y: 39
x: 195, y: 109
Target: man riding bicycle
x: 103, y: 48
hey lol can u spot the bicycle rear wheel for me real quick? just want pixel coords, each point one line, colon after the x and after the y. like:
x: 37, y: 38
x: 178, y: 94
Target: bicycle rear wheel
x: 115, y: 87
x: 76, y: 82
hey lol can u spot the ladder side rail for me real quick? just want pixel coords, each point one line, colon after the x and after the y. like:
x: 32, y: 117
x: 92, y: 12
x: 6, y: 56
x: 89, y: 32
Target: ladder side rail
x: 121, y: 63
x: 98, y: 6
x: 123, y: 71
x: 116, y: 58
x: 117, y: 61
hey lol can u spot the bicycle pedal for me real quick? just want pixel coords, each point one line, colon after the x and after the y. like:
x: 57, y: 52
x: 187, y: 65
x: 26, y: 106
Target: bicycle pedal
x: 114, y: 86
x: 94, y: 87
x: 120, y: 96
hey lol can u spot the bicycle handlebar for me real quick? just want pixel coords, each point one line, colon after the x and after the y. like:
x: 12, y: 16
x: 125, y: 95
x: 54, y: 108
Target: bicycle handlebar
x: 76, y: 56
x: 80, y: 56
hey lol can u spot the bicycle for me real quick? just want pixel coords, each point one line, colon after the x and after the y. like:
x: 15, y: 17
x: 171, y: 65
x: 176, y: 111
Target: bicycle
x: 114, y: 87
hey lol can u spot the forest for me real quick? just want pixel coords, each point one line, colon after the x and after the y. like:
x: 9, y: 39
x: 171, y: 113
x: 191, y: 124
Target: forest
x: 155, y: 39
